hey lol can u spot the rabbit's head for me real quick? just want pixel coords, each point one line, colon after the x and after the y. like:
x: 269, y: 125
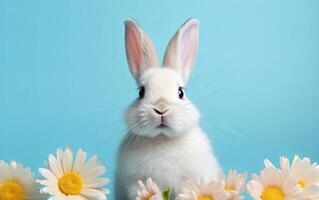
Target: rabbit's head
x: 162, y: 106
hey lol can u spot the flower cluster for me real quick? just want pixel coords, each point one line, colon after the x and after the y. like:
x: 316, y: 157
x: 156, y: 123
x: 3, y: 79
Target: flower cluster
x: 300, y: 180
x: 77, y: 177
x: 296, y: 181
x: 66, y: 177
x: 228, y: 187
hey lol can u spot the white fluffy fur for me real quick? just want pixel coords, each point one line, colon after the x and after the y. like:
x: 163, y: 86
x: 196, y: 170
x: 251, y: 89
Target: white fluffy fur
x: 177, y: 152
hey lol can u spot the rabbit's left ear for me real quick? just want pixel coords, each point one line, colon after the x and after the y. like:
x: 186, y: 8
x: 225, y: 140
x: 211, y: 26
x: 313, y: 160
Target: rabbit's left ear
x: 182, y: 49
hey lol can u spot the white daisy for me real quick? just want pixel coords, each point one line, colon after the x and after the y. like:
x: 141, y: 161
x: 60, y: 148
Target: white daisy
x: 73, y: 179
x: 203, y: 190
x: 305, y: 172
x: 234, y: 184
x: 273, y: 184
x: 150, y: 191
x: 17, y: 182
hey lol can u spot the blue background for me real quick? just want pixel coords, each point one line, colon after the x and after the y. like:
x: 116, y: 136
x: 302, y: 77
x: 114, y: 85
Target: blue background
x: 64, y: 78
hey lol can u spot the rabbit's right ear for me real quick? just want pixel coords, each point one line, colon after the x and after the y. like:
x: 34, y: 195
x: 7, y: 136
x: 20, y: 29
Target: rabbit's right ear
x: 140, y: 51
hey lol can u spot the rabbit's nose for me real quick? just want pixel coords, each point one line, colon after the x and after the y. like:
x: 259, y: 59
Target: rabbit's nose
x: 160, y: 108
x: 160, y: 112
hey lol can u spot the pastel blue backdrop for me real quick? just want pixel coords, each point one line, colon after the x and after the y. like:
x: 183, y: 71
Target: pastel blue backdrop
x: 64, y: 78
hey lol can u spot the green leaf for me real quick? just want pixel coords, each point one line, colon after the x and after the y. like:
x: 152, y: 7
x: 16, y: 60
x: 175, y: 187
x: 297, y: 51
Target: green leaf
x: 166, y: 194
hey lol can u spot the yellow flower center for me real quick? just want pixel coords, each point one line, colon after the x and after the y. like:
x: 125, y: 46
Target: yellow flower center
x: 11, y: 190
x: 70, y: 184
x: 205, y: 197
x: 272, y: 193
x: 302, y: 183
x: 229, y: 188
x: 149, y: 196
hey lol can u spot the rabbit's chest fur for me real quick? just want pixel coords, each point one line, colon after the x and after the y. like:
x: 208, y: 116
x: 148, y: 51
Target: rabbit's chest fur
x: 168, y: 161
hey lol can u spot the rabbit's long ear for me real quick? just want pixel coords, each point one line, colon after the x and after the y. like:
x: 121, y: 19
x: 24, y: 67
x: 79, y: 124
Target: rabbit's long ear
x: 140, y: 51
x: 182, y: 49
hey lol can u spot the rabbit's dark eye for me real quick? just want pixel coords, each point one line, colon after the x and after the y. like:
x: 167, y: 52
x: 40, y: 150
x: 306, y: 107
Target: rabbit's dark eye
x: 180, y: 93
x: 141, y: 92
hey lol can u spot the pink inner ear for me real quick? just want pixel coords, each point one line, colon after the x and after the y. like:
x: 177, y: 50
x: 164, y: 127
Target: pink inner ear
x: 188, y: 47
x: 133, y: 49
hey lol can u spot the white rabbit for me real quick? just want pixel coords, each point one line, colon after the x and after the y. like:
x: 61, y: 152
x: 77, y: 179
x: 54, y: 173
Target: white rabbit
x: 164, y: 140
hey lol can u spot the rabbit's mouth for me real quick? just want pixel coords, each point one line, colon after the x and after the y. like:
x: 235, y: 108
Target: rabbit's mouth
x: 162, y: 125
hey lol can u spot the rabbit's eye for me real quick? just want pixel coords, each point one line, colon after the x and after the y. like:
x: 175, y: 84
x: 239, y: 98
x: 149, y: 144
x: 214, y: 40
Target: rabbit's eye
x: 180, y: 93
x: 141, y: 92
